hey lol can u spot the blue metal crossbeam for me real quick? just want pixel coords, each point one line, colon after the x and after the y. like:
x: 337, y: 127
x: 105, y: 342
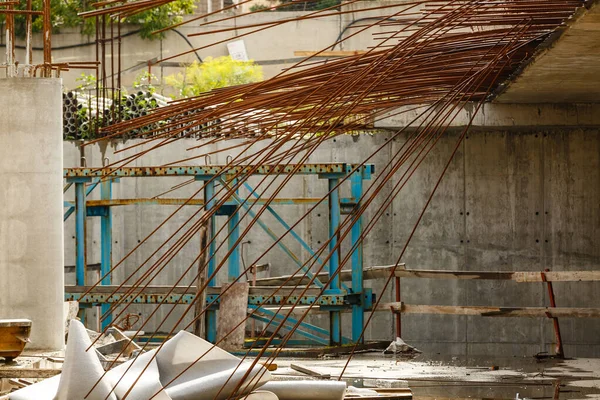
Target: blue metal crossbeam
x: 275, y: 238
x: 71, y: 209
x: 286, y: 326
x: 336, y: 298
x: 295, y: 236
x: 304, y: 169
x: 293, y: 321
x: 176, y: 298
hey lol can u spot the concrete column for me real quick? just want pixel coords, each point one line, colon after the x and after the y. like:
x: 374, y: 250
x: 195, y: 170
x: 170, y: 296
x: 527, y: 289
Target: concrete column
x: 31, y: 226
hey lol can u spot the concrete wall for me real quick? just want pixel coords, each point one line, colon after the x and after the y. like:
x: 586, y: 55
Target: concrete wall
x: 31, y: 236
x: 511, y: 200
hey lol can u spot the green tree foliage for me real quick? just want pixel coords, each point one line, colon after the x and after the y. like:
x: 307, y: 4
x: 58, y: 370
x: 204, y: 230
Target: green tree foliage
x: 65, y: 15
x: 214, y: 73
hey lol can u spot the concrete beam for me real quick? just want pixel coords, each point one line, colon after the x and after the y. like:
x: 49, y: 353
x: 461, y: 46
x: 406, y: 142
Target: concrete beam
x: 565, y: 68
x: 503, y: 116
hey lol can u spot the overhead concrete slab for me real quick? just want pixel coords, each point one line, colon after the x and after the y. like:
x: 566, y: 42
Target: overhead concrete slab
x: 568, y: 70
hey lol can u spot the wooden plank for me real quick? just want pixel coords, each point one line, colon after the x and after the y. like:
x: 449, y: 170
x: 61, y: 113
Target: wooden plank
x: 28, y: 373
x: 440, y: 274
x: 309, y: 372
x: 329, y: 53
x: 519, y: 276
x: 384, y: 394
x: 558, y: 276
x: 378, y: 272
x: 369, y: 273
x: 526, y: 312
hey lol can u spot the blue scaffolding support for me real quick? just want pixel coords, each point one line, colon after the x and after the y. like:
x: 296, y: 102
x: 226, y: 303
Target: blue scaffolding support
x: 337, y: 296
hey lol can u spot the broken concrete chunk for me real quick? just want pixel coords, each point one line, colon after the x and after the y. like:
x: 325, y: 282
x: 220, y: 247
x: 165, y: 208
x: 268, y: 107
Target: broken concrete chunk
x: 399, y: 347
x: 386, y: 383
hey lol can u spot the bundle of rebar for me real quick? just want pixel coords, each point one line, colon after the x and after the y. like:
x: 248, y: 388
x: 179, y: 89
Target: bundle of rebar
x: 433, y: 58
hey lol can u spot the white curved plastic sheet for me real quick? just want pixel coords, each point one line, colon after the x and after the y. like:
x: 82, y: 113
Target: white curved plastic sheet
x: 44, y: 390
x: 221, y: 385
x: 81, y: 370
x: 148, y: 381
x: 186, y: 368
x: 187, y: 351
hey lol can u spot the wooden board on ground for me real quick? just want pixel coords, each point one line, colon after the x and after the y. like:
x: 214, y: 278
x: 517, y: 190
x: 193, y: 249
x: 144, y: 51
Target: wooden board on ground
x: 385, y: 394
x: 309, y: 371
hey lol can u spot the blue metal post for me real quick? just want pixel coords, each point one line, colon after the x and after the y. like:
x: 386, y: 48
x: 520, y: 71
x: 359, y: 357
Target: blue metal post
x: 106, y: 244
x: 211, y: 315
x: 358, y: 316
x: 233, y: 262
x: 335, y: 321
x: 80, y: 214
x: 87, y: 192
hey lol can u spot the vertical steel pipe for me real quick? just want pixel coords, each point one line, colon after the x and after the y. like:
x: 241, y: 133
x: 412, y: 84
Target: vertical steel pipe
x: 335, y: 320
x: 211, y: 315
x: 106, y: 245
x: 358, y: 316
x: 80, y: 217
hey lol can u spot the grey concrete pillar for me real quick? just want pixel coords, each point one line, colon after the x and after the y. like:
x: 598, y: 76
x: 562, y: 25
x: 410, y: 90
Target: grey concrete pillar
x: 31, y: 226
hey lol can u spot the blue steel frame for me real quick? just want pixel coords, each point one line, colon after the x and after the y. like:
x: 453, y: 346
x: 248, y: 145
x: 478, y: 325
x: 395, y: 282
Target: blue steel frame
x: 337, y: 296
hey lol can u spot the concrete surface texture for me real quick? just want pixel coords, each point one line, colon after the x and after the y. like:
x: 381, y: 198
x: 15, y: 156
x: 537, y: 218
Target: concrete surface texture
x: 513, y: 117
x: 511, y: 201
x: 566, y: 70
x: 31, y: 234
x: 502, y: 378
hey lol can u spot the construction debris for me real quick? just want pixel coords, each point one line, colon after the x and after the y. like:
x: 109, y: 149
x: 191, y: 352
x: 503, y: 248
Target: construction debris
x: 14, y: 335
x: 309, y: 371
x: 185, y: 367
x: 400, y: 348
x: 386, y: 383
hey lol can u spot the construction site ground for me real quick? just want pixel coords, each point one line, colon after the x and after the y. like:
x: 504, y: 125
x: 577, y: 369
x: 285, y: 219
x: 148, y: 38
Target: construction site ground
x: 427, y: 377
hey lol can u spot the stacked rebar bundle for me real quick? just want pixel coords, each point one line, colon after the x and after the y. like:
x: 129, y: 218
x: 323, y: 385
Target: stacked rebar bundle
x: 434, y: 57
